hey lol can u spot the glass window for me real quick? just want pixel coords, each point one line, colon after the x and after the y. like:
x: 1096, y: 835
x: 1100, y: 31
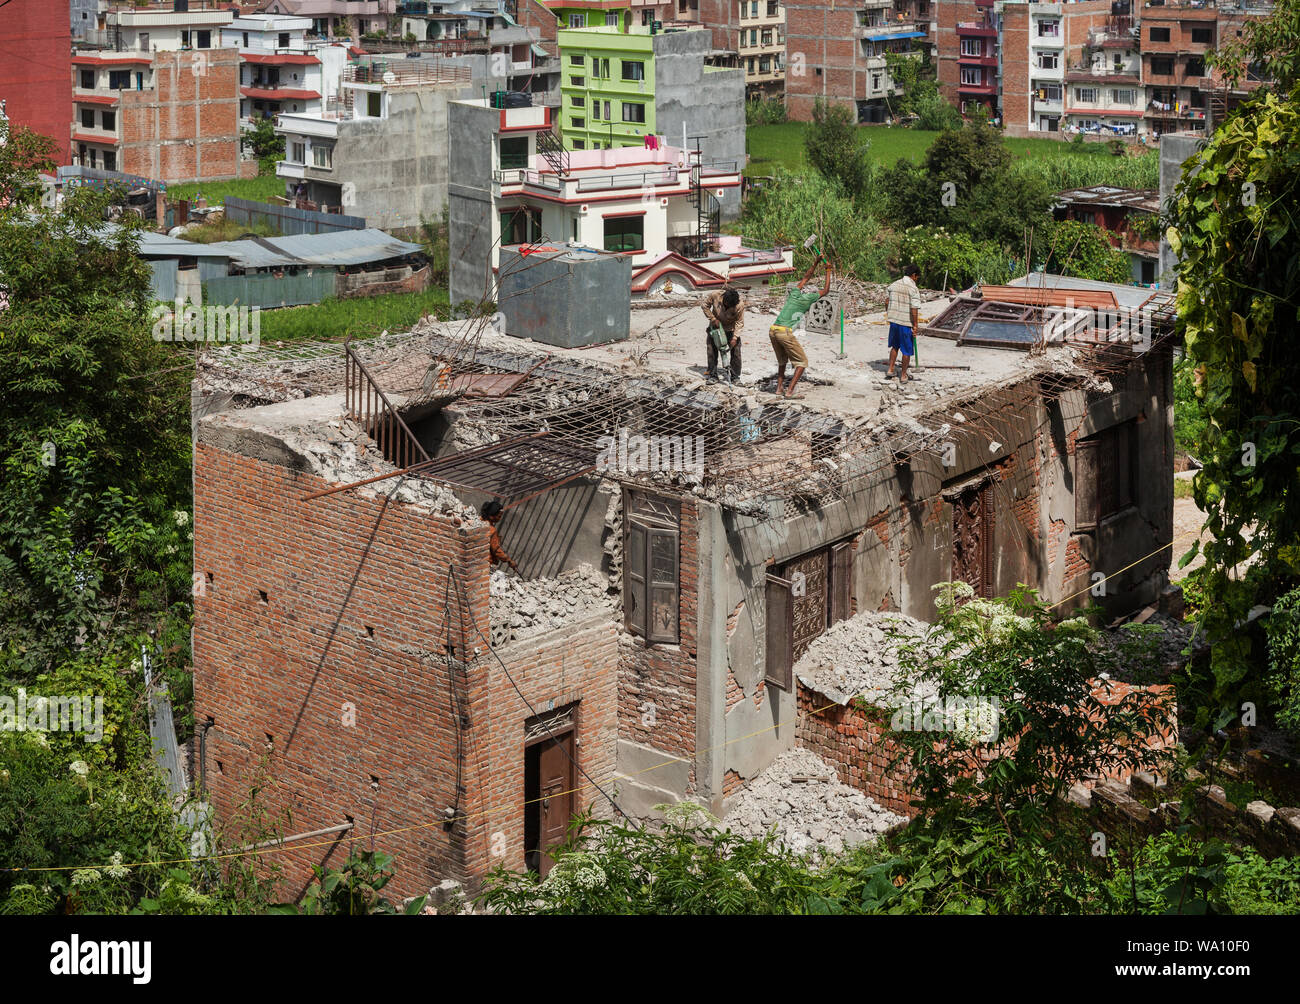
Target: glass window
x: 633, y: 111
x: 633, y: 70
x: 625, y: 233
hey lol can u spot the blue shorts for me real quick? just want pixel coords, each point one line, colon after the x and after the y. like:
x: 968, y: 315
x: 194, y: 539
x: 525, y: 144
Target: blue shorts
x: 900, y: 337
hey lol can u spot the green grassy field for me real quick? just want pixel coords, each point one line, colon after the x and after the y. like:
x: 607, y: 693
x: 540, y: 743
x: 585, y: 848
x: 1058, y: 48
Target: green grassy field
x: 259, y: 189
x: 782, y: 145
x: 362, y: 318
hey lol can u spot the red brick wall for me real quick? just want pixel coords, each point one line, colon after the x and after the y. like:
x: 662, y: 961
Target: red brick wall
x: 665, y: 675
x: 576, y: 665
x: 187, y: 127
x: 1015, y: 68
x: 947, y: 45
x: 819, y: 39
x: 36, y: 68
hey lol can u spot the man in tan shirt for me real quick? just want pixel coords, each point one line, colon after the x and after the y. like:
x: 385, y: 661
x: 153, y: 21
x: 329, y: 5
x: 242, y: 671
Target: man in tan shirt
x: 725, y: 308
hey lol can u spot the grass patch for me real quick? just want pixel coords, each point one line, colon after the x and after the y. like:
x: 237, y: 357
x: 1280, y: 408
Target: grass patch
x: 364, y: 317
x: 1182, y: 488
x: 260, y: 189
x: 223, y: 229
x: 1066, y: 164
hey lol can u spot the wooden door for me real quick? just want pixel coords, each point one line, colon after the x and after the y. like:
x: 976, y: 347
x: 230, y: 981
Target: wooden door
x: 555, y: 776
x: 810, y: 601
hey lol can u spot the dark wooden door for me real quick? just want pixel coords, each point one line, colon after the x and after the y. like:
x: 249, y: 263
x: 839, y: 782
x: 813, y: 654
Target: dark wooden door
x: 555, y: 769
x: 972, y: 539
x: 812, y: 608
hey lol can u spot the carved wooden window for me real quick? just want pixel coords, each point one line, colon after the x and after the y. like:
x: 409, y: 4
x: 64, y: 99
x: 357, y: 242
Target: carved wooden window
x: 651, y: 567
x: 1105, y: 478
x: 805, y: 595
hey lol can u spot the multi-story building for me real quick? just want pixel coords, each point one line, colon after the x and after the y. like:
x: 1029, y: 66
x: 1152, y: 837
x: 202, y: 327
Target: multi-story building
x: 160, y: 27
x: 85, y: 16
x: 169, y: 115
x: 760, y: 42
x: 34, y: 79
x: 514, y: 184
x: 348, y: 18
x: 1104, y: 89
x: 282, y: 68
x: 379, y: 150
x: 1175, y: 41
x: 621, y: 84
x: 838, y: 52
x: 976, y: 60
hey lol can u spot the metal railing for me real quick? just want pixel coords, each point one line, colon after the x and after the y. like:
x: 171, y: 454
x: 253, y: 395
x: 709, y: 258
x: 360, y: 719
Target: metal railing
x: 370, y: 408
x: 527, y: 176
x: 642, y: 179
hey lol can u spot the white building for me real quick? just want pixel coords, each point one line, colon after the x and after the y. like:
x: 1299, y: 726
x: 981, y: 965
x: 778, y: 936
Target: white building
x: 285, y: 67
x: 159, y: 29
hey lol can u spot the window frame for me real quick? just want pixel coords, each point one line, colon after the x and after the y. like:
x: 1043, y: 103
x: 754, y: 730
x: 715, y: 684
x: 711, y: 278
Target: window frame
x: 639, y: 518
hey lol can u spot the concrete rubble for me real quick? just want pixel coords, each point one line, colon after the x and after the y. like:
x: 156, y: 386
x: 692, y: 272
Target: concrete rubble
x: 859, y: 656
x: 818, y: 816
x: 523, y: 608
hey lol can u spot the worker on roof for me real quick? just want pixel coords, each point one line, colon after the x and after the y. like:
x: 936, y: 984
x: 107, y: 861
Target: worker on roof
x: 491, y: 513
x: 724, y: 309
x: 903, y: 314
x: 785, y: 343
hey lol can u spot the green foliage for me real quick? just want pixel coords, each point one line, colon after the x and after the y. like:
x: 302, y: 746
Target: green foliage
x: 437, y: 248
x: 965, y: 183
x: 267, y: 146
x: 1268, y: 46
x: 1190, y: 424
x: 1081, y: 249
x: 1087, y: 165
x: 350, y: 891
x: 356, y: 316
x: 837, y: 150
x: 964, y: 261
x: 1283, y: 629
x: 794, y: 206
x: 765, y: 111
x: 263, y: 188
x: 1232, y: 223
x: 916, y: 93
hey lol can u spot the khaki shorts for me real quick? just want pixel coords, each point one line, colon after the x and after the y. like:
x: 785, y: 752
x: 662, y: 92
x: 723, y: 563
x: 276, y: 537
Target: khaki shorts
x: 788, y: 349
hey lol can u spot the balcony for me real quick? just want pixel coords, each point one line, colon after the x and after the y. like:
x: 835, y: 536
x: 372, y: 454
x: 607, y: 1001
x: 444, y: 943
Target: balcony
x: 978, y: 29
x: 1102, y: 75
x: 886, y: 30
x: 981, y: 60
x: 982, y: 89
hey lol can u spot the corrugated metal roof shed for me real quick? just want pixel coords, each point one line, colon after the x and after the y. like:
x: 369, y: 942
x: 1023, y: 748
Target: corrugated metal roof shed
x: 255, y: 254
x: 346, y: 247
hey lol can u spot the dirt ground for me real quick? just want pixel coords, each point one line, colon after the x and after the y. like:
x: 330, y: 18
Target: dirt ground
x: 1187, y: 526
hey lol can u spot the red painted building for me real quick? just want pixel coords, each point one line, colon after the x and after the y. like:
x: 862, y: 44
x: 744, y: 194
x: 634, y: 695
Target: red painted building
x: 36, y: 68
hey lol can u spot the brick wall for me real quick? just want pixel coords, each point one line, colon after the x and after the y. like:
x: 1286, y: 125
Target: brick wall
x: 36, y: 69
x: 1015, y: 64
x: 820, y: 55
x: 187, y: 127
x: 665, y: 675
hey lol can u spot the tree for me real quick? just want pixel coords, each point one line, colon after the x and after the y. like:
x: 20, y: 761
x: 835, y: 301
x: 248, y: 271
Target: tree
x: 916, y: 92
x: 1081, y: 249
x: 1233, y: 225
x: 836, y: 149
x: 267, y: 146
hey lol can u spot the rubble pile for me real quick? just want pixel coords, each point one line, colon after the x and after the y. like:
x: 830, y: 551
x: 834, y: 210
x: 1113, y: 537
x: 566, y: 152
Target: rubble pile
x: 859, y: 656
x: 816, y: 814
x: 522, y: 608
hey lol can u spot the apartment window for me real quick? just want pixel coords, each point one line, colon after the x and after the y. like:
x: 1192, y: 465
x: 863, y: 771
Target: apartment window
x: 875, y: 81
x: 374, y: 104
x: 322, y: 154
x: 1105, y: 481
x: 972, y: 47
x: 765, y: 64
x: 203, y: 40
x: 1160, y: 34
x: 245, y: 40
x: 578, y: 101
x: 577, y: 20
x: 119, y: 80
x: 185, y: 39
x: 607, y: 114
x: 1085, y: 95
x: 109, y: 120
x: 600, y: 68
x: 521, y: 225
x: 633, y: 70
x: 298, y: 153
x: 579, y: 145
x: 1163, y: 66
x: 579, y: 123
x: 1123, y: 96
x: 647, y: 17
x: 971, y: 77
x: 87, y: 80
x: 753, y: 9
x: 633, y: 111
x: 767, y: 37
x: 772, y: 10
x: 1049, y: 60
x: 578, y: 81
x: 110, y: 160
x: 611, y: 19
x: 1049, y: 29
x: 651, y: 567
x: 88, y: 118
x: 577, y: 59
x: 749, y: 65
x: 513, y: 151
x: 595, y: 110
x: 1202, y: 36
x: 744, y: 11
x: 283, y: 42
x: 1196, y: 67
x: 753, y: 35
x: 1052, y: 92
x: 94, y: 161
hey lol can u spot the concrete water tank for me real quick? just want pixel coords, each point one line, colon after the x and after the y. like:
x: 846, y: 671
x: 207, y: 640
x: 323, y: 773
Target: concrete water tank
x: 564, y: 295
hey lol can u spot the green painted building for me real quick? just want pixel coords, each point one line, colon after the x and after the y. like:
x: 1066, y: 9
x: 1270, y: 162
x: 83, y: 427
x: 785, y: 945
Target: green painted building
x: 607, y: 84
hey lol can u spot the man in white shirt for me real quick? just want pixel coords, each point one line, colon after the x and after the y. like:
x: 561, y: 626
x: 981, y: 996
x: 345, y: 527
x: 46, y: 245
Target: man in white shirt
x: 903, y: 315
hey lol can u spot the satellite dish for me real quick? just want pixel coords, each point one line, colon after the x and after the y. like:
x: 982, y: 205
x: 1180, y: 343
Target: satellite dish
x: 390, y: 77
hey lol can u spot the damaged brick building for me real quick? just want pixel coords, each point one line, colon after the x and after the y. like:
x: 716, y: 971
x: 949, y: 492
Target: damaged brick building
x: 353, y: 644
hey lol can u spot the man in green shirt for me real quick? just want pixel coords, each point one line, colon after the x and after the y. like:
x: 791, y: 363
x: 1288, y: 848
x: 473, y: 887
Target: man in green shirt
x: 782, y: 332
